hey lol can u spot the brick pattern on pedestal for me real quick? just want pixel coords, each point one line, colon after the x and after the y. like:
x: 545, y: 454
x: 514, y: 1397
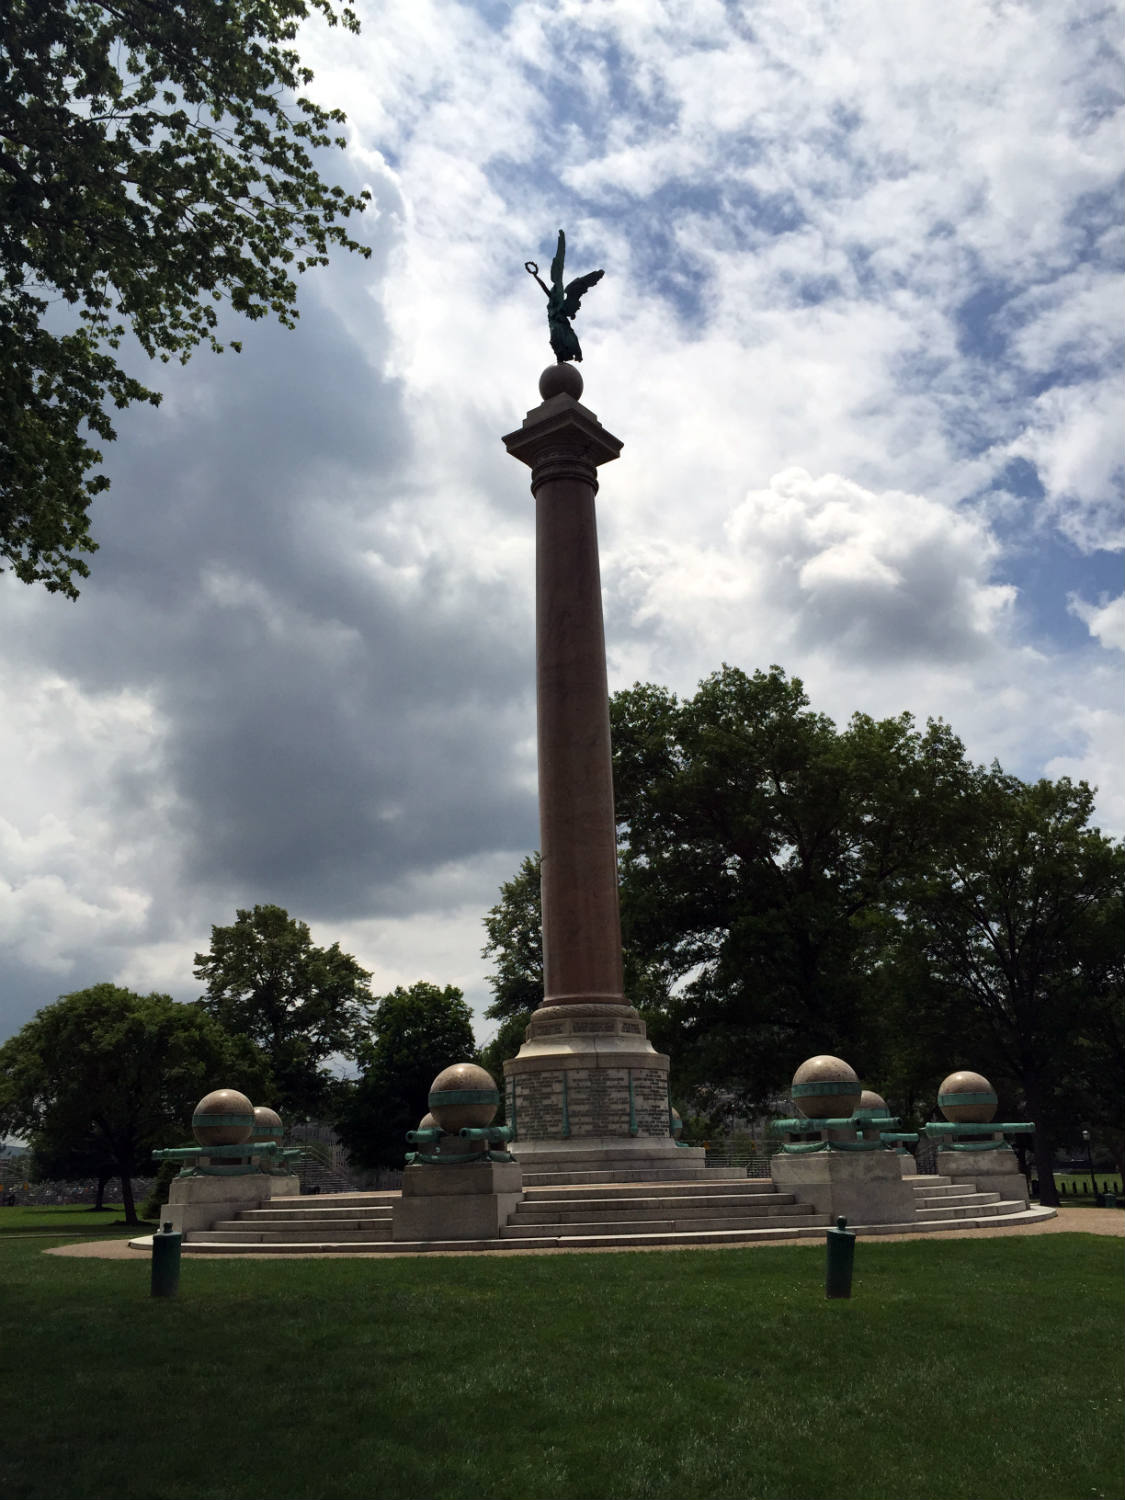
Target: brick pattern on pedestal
x: 596, y: 1103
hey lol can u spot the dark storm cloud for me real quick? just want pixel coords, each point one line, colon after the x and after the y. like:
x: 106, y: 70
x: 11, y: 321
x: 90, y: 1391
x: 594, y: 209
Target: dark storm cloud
x: 330, y: 731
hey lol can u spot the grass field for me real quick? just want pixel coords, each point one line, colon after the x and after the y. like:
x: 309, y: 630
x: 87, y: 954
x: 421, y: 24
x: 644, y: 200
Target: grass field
x: 65, y: 1219
x: 958, y: 1369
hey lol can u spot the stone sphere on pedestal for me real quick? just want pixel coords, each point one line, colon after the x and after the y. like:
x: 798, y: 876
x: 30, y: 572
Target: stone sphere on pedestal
x: 427, y: 1122
x: 967, y: 1099
x: 560, y: 380
x: 463, y: 1097
x: 871, y: 1105
x: 825, y: 1088
x: 267, y: 1125
x: 223, y: 1118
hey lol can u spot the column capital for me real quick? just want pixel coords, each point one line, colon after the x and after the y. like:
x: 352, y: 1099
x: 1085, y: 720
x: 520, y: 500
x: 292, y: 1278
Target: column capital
x: 562, y: 439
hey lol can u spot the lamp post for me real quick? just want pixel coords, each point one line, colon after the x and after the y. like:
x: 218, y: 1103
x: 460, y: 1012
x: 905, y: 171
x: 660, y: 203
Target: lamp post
x: 1090, y: 1159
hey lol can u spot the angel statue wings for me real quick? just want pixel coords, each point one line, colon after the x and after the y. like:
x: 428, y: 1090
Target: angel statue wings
x: 562, y: 302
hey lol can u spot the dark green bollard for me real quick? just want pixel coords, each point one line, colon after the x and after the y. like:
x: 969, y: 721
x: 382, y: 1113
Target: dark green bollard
x: 841, y: 1253
x: 166, y: 1261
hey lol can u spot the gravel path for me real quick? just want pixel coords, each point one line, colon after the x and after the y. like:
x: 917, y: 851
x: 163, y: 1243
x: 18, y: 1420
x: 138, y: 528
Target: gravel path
x: 1068, y: 1221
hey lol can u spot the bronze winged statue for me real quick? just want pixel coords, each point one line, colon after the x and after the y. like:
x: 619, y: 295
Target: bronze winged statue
x: 562, y: 302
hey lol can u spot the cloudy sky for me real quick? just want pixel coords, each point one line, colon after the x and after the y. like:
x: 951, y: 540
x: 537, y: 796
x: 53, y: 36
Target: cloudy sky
x: 860, y: 331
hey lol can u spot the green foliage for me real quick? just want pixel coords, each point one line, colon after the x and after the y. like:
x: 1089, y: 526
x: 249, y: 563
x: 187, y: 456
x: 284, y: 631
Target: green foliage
x: 297, y: 1004
x: 1017, y: 924
x: 515, y: 943
x: 414, y: 1034
x: 155, y: 161
x: 105, y: 1067
x: 161, y: 1187
x: 763, y: 853
x: 788, y: 887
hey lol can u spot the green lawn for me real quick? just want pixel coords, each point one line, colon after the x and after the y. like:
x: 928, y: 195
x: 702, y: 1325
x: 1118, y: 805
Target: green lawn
x: 1079, y: 1183
x: 64, y: 1219
x: 959, y: 1369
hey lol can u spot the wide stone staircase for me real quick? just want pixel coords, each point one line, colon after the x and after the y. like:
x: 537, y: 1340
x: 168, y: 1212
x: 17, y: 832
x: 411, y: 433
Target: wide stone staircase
x: 597, y: 1216
x: 722, y: 1207
x: 945, y: 1204
x: 329, y: 1223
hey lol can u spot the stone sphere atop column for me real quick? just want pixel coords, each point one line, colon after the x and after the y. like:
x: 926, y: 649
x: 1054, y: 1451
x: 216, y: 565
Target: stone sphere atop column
x: 825, y: 1088
x: 560, y: 380
x: 267, y: 1125
x: 967, y: 1098
x: 870, y: 1105
x: 223, y: 1118
x: 463, y: 1097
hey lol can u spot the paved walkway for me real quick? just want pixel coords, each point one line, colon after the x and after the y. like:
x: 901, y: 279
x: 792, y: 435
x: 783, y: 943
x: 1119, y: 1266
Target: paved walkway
x: 1069, y: 1221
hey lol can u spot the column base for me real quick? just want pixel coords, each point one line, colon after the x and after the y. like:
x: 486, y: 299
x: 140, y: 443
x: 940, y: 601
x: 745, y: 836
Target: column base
x: 587, y: 1079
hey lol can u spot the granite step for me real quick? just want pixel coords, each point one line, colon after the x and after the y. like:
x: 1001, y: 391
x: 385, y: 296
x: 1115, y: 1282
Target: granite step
x: 327, y: 1215
x: 337, y: 1200
x: 644, y: 1228
x: 935, y: 1200
x: 745, y: 1186
x: 534, y: 1176
x: 232, y: 1233
x: 992, y: 1209
x: 679, y: 1208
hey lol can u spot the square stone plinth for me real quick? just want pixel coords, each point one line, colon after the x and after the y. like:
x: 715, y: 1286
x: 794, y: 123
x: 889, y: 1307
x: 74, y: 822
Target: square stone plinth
x: 470, y: 1201
x: 867, y: 1187
x: 199, y: 1202
x: 987, y: 1171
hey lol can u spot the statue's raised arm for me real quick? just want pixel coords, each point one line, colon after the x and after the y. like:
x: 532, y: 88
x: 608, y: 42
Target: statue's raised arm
x: 563, y: 302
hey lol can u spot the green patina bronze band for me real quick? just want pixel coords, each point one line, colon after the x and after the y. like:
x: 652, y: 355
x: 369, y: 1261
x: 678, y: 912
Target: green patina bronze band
x: 944, y: 1099
x: 834, y: 1086
x: 222, y: 1119
x: 463, y: 1096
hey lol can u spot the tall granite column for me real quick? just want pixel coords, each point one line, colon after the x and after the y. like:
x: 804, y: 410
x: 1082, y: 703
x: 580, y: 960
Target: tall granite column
x: 587, y: 1080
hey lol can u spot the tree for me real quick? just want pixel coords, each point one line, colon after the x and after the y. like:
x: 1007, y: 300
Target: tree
x: 298, y: 1004
x: 515, y: 942
x: 763, y: 852
x: 155, y: 160
x: 56, y: 1156
x: 1018, y: 924
x: 415, y: 1033
x: 120, y: 1072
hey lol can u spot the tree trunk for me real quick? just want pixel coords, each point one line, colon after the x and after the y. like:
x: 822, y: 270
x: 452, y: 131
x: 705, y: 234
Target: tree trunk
x: 99, y: 1201
x: 127, y: 1199
x: 1044, y: 1142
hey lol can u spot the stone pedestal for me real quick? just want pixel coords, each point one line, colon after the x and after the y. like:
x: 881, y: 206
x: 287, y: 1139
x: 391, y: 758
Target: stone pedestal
x: 470, y: 1201
x: 866, y: 1186
x: 199, y: 1202
x: 287, y: 1186
x: 587, y: 1077
x: 988, y: 1171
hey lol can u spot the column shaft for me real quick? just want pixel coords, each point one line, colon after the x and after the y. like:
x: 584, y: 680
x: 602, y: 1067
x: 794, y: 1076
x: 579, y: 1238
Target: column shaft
x: 578, y: 842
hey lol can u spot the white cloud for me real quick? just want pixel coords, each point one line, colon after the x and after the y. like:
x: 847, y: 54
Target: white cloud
x: 859, y: 258
x: 1105, y: 621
